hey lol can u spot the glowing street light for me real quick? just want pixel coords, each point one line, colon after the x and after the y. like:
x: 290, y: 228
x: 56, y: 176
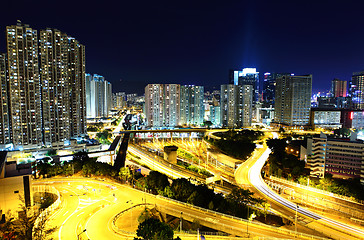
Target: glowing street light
x: 131, y: 212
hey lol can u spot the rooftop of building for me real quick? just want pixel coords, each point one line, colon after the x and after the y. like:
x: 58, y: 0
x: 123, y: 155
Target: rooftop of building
x: 12, y: 169
x: 338, y: 139
x: 2, y: 161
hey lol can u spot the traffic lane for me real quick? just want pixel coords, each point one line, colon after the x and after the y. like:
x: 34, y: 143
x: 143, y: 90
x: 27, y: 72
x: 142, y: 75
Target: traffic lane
x: 231, y: 225
x: 256, y: 179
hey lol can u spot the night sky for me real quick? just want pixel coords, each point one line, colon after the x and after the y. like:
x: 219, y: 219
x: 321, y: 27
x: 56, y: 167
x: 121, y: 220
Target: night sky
x: 133, y: 43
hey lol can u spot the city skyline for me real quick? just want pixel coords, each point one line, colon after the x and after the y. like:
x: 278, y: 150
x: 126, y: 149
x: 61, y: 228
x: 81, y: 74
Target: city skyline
x: 198, y: 44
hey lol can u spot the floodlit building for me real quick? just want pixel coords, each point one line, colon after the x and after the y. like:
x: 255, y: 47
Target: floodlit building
x: 293, y: 100
x: 162, y: 105
x: 192, y: 105
x: 236, y: 105
x: 247, y: 76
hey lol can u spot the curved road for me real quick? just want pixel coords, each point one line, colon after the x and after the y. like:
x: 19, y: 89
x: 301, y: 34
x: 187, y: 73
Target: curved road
x: 91, y: 205
x: 250, y: 173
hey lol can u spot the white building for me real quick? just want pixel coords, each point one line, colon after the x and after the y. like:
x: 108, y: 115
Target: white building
x: 99, y: 99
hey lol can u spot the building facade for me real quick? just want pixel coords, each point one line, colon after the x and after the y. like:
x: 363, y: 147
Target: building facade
x: 99, y: 96
x: 356, y: 90
x: 171, y: 108
x: 338, y: 88
x: 343, y: 158
x: 45, y: 88
x: 293, y: 100
x: 192, y: 105
x: 4, y: 109
x: 119, y: 100
x: 236, y: 105
x: 24, y: 86
x: 162, y: 105
x: 247, y: 76
x: 54, y: 60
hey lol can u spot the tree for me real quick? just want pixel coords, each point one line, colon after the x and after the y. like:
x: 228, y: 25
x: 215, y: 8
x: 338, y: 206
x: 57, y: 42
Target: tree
x: 182, y: 189
x: 157, y: 181
x: 207, y: 124
x: 125, y: 173
x: 104, y: 136
x: 153, y: 229
x: 27, y: 227
x: 242, y: 196
x: 51, y: 152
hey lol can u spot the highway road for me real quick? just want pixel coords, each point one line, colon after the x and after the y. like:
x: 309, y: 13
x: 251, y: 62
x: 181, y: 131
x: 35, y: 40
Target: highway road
x: 250, y: 173
x: 90, y: 204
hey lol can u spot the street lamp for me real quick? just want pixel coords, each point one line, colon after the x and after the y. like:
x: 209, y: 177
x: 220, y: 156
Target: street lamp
x: 180, y: 223
x: 131, y: 212
x: 295, y: 225
x: 247, y: 222
x: 78, y: 236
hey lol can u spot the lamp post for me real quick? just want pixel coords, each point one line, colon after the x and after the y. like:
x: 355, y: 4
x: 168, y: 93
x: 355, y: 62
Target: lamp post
x: 247, y: 222
x: 131, y: 212
x: 78, y: 236
x: 295, y: 225
x: 180, y: 224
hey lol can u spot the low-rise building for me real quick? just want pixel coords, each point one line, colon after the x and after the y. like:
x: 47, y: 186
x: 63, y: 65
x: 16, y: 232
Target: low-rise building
x: 15, y: 185
x: 343, y: 158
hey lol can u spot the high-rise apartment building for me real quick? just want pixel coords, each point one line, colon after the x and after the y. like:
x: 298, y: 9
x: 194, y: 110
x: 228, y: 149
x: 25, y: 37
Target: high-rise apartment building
x: 236, y: 105
x: 171, y: 105
x: 119, y: 100
x: 62, y: 71
x: 248, y: 76
x: 154, y: 102
x: 46, y: 87
x: 338, y: 88
x: 192, y: 105
x: 53, y: 49
x: 162, y: 105
x: 4, y: 107
x: 293, y: 100
x: 98, y: 96
x: 356, y: 89
x: 77, y: 74
x: 215, y: 115
x: 24, y: 86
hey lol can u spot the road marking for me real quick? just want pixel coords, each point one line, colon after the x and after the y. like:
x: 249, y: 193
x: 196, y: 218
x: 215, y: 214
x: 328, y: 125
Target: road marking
x: 60, y: 229
x: 79, y: 214
x: 65, y: 213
